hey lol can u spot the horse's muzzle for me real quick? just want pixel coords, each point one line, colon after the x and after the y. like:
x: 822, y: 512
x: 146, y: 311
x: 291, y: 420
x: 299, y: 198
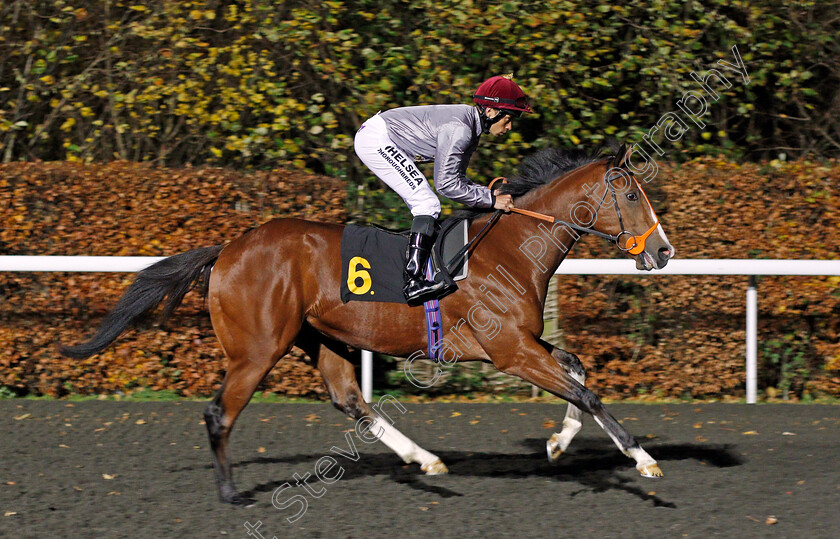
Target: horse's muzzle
x: 646, y: 261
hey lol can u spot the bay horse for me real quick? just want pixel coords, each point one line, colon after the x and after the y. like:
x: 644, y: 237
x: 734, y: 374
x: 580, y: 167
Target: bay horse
x: 278, y: 285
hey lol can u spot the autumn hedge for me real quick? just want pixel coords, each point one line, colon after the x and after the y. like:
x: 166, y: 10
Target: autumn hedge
x: 662, y: 336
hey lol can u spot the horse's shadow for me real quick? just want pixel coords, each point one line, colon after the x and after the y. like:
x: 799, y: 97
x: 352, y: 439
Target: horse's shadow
x: 592, y: 463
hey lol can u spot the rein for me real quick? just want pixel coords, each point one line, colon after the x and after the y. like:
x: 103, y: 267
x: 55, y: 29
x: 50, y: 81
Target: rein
x: 492, y: 221
x: 470, y: 244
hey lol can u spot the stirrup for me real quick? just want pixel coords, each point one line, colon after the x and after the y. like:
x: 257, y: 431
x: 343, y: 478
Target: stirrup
x: 423, y: 291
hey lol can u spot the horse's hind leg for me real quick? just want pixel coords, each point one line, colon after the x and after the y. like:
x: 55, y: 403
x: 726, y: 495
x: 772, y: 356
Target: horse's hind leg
x: 340, y: 379
x: 250, y: 356
x: 559, y: 441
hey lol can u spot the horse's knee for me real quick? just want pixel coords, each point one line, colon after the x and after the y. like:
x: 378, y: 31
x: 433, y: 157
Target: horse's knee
x: 352, y: 405
x: 586, y: 400
x: 570, y: 362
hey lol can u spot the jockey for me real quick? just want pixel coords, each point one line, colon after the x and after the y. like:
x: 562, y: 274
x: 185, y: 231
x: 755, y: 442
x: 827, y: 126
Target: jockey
x: 391, y: 143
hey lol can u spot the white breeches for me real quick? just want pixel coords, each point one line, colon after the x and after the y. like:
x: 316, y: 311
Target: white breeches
x: 399, y: 172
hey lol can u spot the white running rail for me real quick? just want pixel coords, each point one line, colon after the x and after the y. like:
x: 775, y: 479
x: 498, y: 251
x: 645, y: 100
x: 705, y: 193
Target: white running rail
x: 572, y: 266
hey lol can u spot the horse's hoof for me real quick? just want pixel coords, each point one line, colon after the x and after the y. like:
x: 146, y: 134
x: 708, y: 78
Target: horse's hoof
x: 552, y: 447
x: 435, y: 468
x: 651, y: 470
x: 239, y: 500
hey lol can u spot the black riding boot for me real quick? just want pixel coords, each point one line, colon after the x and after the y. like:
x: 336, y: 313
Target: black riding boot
x: 418, y: 289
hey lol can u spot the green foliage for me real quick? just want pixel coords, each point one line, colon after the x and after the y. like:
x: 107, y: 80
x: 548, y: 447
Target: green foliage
x: 257, y: 83
x: 786, y: 361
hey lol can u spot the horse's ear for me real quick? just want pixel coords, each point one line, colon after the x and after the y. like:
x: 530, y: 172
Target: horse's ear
x: 622, y: 156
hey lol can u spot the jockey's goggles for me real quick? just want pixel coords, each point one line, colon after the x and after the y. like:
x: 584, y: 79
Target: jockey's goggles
x: 514, y: 107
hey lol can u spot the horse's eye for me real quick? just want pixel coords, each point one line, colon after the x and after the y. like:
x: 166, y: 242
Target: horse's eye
x: 632, y: 197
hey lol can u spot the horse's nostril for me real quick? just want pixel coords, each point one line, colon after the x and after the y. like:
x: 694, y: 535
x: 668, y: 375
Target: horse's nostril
x: 664, y: 253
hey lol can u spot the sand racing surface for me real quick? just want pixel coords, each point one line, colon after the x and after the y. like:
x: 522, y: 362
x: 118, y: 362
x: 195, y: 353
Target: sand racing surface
x: 121, y: 469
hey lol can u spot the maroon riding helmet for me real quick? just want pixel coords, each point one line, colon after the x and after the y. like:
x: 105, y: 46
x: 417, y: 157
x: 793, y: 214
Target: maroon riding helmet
x: 500, y: 92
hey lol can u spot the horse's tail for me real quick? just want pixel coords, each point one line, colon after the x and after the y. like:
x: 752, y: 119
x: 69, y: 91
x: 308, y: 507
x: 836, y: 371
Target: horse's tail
x: 171, y: 278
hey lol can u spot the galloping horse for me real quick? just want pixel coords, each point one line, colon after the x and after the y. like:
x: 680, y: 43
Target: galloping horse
x: 278, y: 285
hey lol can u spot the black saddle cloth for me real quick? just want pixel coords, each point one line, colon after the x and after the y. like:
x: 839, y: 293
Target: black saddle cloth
x: 373, y: 258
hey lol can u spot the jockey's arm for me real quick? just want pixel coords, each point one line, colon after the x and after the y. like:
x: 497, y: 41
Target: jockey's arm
x: 453, y: 155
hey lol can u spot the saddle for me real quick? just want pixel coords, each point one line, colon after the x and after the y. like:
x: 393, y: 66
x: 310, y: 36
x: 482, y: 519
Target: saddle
x: 373, y: 258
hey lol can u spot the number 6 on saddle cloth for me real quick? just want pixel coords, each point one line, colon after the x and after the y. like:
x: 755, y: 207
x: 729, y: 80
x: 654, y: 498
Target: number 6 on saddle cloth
x: 372, y: 262
x: 373, y: 258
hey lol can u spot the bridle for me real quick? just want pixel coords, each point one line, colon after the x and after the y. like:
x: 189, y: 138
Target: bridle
x: 634, y: 244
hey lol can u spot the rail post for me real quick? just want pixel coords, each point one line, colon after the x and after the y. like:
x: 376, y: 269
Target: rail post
x: 367, y: 375
x: 752, y: 341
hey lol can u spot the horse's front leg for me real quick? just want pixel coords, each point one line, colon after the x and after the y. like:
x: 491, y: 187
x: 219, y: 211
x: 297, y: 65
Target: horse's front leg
x: 559, y: 441
x: 535, y: 364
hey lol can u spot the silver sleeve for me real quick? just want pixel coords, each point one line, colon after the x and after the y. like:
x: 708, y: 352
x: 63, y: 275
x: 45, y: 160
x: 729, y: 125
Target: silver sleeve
x: 453, y: 156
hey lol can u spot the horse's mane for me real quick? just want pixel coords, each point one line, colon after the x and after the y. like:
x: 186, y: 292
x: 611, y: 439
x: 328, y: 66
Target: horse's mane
x: 543, y: 167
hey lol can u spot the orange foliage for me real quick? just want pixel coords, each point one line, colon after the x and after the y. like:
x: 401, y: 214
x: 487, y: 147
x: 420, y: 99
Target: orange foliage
x: 656, y: 335
x: 685, y: 335
x: 132, y: 209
